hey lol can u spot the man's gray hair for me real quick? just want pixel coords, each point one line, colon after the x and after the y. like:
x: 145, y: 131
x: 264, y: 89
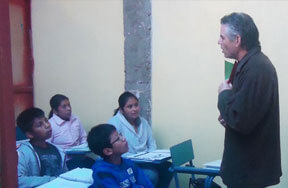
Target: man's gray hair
x: 242, y: 24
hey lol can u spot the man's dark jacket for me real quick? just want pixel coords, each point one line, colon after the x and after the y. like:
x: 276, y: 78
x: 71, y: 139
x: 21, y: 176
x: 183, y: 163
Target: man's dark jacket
x: 251, y: 155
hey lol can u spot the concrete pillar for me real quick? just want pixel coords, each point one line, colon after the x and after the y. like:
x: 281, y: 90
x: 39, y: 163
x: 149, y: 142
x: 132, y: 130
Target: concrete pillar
x: 137, y: 52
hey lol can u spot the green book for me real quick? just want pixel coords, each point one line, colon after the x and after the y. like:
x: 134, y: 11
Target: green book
x: 228, y: 69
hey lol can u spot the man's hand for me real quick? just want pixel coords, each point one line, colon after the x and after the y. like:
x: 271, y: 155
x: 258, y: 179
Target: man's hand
x: 222, y: 121
x: 224, y: 86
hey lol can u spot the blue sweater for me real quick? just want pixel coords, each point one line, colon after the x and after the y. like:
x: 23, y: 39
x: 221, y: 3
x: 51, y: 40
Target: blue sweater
x: 125, y: 175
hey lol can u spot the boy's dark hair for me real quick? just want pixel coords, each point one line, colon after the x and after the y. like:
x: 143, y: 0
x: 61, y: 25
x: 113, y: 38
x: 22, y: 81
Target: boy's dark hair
x: 55, y: 102
x: 26, y: 118
x: 99, y: 138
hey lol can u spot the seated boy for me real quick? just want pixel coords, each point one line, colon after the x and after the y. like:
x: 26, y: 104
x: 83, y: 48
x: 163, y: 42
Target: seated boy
x: 113, y: 171
x: 38, y: 161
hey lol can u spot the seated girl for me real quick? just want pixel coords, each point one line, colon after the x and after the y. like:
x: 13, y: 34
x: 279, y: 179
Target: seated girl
x: 138, y: 134
x: 67, y: 130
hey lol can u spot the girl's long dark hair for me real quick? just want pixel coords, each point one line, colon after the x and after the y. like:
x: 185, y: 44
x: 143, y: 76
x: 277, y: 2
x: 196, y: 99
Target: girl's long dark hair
x: 124, y: 97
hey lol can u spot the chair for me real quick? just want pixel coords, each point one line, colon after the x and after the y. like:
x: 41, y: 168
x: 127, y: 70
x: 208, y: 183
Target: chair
x: 182, y: 154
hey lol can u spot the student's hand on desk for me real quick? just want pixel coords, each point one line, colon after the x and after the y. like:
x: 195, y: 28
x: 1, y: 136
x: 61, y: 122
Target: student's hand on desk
x: 224, y: 86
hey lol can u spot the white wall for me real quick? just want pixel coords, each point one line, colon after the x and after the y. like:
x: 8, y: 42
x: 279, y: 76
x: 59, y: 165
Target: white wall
x: 188, y: 66
x: 78, y: 51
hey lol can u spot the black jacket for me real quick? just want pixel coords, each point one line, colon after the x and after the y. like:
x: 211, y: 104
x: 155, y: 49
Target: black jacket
x: 251, y: 155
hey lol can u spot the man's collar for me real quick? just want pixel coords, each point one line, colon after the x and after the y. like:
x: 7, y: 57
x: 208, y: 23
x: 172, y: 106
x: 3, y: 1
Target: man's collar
x: 251, y: 52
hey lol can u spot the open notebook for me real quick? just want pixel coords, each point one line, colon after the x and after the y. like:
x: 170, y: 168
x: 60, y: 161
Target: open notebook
x: 78, y: 177
x: 156, y: 155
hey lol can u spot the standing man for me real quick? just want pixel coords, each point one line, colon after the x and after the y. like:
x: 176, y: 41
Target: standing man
x: 249, y: 108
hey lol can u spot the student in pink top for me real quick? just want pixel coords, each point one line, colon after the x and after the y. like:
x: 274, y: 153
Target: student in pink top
x: 67, y: 130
